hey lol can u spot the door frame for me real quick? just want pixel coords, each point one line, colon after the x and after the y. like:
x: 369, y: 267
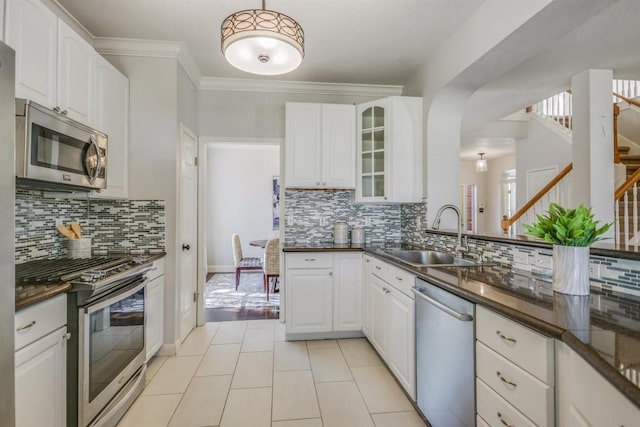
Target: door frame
x: 204, y: 143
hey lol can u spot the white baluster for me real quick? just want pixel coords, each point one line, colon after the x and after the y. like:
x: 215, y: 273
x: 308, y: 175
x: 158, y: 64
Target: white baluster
x: 616, y: 224
x: 625, y: 222
x: 635, y: 215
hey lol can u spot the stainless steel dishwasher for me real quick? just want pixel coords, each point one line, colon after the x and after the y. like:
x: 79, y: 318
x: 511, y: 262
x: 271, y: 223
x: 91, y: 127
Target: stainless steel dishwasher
x: 444, y: 356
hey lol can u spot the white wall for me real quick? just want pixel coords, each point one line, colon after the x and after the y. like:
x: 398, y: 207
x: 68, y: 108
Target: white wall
x: 254, y: 114
x: 187, y: 101
x: 153, y: 145
x: 239, y: 199
x: 543, y: 148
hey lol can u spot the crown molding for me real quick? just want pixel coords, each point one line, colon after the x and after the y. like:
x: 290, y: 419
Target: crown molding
x: 313, y: 88
x: 150, y: 49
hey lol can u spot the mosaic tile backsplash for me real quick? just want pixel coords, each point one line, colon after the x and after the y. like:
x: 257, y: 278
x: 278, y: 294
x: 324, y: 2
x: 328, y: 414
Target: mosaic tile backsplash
x: 309, y: 217
x: 113, y: 225
x: 612, y: 273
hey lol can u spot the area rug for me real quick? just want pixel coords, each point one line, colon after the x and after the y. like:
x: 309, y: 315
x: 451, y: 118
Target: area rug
x: 220, y: 292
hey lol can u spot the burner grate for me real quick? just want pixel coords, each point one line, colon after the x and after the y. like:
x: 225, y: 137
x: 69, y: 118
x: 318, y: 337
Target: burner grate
x: 57, y: 270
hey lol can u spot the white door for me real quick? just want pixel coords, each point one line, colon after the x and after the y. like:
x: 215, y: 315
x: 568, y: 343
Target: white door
x: 309, y: 300
x: 538, y: 178
x: 366, y: 296
x: 188, y: 228
x: 378, y: 295
x: 338, y: 146
x: 302, y: 147
x: 347, y: 304
x: 400, y: 338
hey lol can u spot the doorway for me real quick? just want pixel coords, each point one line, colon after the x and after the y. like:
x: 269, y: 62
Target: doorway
x: 240, y: 177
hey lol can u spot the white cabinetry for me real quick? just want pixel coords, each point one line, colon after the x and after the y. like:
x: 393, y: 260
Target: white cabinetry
x: 323, y: 294
x: 585, y: 398
x: 41, y: 363
x: 112, y: 118
x: 154, y: 334
x: 391, y: 328
x: 366, y: 294
x: 2, y: 20
x: 76, y: 60
x: 515, y: 372
x: 389, y: 141
x: 320, y: 145
x: 32, y: 31
x: 54, y: 65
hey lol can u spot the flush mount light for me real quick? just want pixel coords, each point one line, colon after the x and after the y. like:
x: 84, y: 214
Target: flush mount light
x: 261, y: 41
x: 481, y: 164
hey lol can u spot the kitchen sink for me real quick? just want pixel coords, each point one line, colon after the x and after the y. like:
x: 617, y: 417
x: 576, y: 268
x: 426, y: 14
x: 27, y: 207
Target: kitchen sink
x: 420, y: 258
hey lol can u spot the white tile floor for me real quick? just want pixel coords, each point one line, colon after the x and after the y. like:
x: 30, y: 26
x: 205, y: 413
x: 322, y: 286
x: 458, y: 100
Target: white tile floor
x: 244, y: 374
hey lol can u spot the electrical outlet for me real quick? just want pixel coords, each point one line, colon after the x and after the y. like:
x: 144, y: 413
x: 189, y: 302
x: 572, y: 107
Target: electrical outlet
x: 594, y: 271
x: 544, y: 261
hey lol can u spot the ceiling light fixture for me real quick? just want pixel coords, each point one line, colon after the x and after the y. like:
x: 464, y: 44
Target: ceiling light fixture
x: 481, y: 164
x: 261, y: 41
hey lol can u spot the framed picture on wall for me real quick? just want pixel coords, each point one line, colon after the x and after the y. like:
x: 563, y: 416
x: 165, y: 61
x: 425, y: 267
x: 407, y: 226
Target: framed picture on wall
x: 276, y: 203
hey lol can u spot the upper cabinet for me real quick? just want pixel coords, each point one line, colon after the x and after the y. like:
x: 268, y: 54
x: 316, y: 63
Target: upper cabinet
x: 320, y: 146
x: 389, y: 165
x: 54, y: 65
x: 32, y: 31
x: 76, y: 59
x: 112, y: 118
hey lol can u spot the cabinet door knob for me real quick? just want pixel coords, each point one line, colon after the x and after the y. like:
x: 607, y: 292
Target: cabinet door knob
x: 66, y: 336
x: 318, y: 184
x: 324, y: 184
x: 64, y: 112
x: 186, y: 247
x: 56, y: 109
x: 331, y: 273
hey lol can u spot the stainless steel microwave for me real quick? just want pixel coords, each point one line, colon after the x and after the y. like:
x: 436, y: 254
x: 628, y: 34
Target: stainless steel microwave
x: 56, y: 152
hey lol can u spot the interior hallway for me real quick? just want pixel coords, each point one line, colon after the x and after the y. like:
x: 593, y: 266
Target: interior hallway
x: 243, y: 373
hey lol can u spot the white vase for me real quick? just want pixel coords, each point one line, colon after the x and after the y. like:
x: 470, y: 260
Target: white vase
x: 571, y: 270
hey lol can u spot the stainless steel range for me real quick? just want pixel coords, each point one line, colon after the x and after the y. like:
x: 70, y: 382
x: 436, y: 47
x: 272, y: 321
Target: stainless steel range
x: 105, y: 316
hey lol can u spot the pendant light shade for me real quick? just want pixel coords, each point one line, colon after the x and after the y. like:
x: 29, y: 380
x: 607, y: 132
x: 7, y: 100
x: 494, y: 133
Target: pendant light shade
x: 261, y: 41
x: 481, y: 164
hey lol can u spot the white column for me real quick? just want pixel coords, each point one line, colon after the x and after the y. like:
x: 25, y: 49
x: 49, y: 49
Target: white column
x: 592, y: 147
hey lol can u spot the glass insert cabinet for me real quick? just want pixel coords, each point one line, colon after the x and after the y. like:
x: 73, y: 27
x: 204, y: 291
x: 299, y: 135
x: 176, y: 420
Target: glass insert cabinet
x: 389, y: 137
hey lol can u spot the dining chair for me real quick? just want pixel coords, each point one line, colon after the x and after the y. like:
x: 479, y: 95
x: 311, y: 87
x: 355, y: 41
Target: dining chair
x: 241, y: 263
x: 271, y: 264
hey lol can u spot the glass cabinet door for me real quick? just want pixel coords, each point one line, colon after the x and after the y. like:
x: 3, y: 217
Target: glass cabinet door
x: 372, y: 161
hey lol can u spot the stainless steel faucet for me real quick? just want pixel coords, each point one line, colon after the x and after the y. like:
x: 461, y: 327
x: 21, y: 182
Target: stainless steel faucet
x: 462, y: 247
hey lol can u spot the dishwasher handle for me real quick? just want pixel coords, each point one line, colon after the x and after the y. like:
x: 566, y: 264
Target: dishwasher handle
x: 463, y: 317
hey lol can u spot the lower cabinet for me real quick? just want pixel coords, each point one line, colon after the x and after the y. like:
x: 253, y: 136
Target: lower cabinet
x: 390, y: 319
x: 585, y: 398
x: 41, y: 364
x: 323, y: 293
x: 154, y: 323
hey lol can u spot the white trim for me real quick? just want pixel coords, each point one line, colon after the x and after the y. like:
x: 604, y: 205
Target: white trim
x: 240, y: 140
x: 150, y: 49
x: 221, y: 268
x: 314, y: 88
x: 169, y: 349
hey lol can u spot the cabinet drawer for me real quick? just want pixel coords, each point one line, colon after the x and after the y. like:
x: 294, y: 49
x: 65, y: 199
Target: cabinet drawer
x: 530, y: 395
x: 380, y: 269
x: 34, y: 322
x: 496, y: 411
x: 530, y: 350
x: 157, y: 270
x: 310, y: 260
x: 402, y: 280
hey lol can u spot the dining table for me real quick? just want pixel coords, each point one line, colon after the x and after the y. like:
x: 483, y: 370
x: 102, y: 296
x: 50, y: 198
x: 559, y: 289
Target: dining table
x: 258, y: 243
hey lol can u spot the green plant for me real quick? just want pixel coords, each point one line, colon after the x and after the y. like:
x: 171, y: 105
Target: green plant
x: 567, y: 227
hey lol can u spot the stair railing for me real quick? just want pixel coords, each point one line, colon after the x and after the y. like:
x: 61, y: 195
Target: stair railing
x: 626, y: 223
x: 627, y: 88
x: 538, y: 203
x: 557, y: 108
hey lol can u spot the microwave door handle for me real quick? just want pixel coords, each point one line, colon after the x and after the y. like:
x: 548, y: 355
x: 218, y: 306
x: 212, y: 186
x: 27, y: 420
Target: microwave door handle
x: 96, y: 171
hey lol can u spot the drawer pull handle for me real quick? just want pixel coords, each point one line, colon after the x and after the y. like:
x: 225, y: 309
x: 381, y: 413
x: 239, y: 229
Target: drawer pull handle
x: 399, y: 278
x: 378, y: 267
x: 309, y: 259
x: 27, y: 326
x: 506, y: 338
x: 331, y: 273
x: 506, y: 381
x: 504, y: 423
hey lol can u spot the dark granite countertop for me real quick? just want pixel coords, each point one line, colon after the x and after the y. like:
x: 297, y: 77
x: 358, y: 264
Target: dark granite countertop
x: 322, y: 247
x: 604, y: 327
x: 28, y: 294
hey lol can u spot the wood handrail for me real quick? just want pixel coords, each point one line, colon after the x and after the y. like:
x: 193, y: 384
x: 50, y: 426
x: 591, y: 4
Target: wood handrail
x: 508, y: 222
x: 628, y: 100
x: 627, y: 185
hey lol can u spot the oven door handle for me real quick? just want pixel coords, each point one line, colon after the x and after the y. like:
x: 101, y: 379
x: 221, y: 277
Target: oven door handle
x: 118, y: 296
x: 87, y: 161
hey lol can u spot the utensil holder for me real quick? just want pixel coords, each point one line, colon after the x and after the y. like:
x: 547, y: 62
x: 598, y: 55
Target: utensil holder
x: 80, y: 248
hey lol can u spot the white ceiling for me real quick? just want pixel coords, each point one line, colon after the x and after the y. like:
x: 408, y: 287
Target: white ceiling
x: 346, y: 41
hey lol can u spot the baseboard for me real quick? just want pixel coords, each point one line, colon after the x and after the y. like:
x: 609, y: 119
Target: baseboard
x: 221, y: 268
x: 322, y: 335
x: 169, y: 349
